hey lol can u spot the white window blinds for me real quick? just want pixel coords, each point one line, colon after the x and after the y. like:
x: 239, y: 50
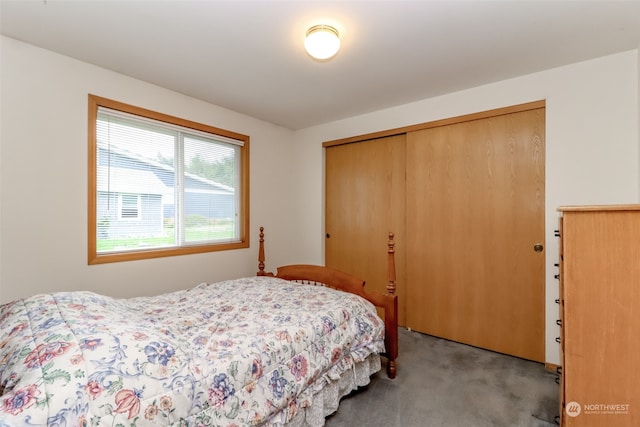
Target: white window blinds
x: 162, y: 185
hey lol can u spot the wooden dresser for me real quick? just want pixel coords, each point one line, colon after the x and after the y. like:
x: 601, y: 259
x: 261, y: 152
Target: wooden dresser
x: 600, y: 315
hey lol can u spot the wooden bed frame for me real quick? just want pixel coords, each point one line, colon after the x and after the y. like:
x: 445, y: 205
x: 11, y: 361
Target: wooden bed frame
x: 326, y: 276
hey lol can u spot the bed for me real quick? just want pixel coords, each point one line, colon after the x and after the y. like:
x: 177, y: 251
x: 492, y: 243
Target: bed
x: 265, y: 350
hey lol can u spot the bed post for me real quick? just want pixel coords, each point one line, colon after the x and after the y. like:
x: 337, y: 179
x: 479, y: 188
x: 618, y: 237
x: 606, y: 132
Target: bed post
x: 261, y: 271
x: 391, y: 266
x: 391, y: 314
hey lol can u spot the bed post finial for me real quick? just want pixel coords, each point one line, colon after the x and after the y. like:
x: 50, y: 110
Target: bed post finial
x: 261, y: 271
x: 391, y: 286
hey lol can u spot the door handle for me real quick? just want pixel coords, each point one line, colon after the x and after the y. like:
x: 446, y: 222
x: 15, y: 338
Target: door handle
x: 538, y: 247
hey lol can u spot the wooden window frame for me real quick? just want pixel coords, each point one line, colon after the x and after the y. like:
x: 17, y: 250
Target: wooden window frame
x: 243, y: 222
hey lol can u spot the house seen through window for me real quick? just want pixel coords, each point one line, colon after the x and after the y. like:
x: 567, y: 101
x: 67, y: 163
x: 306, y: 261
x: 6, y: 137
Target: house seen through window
x: 163, y: 186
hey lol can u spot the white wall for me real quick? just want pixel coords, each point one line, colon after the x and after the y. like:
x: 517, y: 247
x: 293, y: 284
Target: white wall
x: 43, y: 181
x: 592, y: 153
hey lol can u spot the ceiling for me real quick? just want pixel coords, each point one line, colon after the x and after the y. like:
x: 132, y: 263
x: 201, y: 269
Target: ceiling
x: 248, y: 56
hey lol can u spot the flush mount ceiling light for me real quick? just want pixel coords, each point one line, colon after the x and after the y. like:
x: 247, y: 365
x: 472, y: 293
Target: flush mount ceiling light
x: 322, y: 42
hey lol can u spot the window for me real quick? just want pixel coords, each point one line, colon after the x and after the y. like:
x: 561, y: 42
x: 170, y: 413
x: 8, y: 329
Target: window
x: 163, y: 186
x: 129, y: 206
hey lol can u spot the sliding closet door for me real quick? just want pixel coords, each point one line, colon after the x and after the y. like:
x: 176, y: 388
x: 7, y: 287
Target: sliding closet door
x: 364, y: 202
x: 475, y: 213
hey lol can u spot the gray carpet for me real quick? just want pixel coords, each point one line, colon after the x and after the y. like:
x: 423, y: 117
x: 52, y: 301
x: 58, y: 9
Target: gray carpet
x: 443, y: 383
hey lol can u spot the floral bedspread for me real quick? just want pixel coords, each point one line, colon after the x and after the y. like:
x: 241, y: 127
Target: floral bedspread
x: 242, y: 352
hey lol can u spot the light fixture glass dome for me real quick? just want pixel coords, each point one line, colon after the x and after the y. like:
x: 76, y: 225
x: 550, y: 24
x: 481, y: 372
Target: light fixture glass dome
x: 322, y: 42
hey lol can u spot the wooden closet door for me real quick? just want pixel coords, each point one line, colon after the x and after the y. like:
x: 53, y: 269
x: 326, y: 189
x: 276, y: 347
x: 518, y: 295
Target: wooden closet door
x: 475, y: 210
x: 364, y: 202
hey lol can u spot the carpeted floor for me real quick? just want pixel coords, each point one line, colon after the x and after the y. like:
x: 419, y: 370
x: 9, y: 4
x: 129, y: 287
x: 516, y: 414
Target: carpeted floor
x: 443, y: 383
